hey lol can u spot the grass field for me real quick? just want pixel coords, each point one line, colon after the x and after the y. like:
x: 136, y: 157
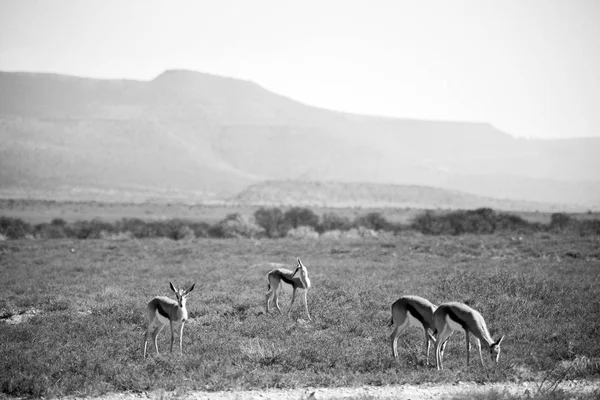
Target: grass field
x: 88, y: 307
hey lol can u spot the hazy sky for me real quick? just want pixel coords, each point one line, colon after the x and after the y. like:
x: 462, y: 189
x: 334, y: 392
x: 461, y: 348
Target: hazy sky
x: 531, y: 68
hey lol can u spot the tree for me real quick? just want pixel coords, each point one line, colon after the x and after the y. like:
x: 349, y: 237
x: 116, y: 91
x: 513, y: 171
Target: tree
x: 374, y: 221
x: 272, y: 221
x: 301, y: 216
x: 331, y: 222
x: 560, y: 221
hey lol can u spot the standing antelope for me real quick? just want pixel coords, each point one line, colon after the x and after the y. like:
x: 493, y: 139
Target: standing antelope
x: 412, y: 311
x: 162, y: 311
x: 276, y: 276
x: 451, y: 317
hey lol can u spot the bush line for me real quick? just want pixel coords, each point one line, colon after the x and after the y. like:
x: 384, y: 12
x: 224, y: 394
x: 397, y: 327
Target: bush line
x: 297, y: 222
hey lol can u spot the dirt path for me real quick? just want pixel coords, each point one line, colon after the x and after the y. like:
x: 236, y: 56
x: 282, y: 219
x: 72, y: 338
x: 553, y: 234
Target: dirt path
x: 426, y: 391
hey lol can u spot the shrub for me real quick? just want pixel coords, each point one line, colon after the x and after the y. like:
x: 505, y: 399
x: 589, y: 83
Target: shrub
x: 303, y: 232
x: 49, y: 231
x: 58, y: 222
x: 359, y: 233
x: 88, y: 229
x: 178, y: 230
x: 374, y: 221
x: 138, y: 228
x: 589, y: 227
x: 200, y: 229
x: 480, y: 221
x: 157, y: 229
x: 335, y: 234
x: 561, y: 222
x: 397, y: 228
x: 272, y: 221
x: 366, y: 232
x: 302, y: 222
x: 301, y: 216
x: 14, y: 228
x: 116, y: 235
x: 425, y: 223
x: 237, y: 226
x: 331, y: 221
x: 175, y: 229
x: 216, y: 231
x: 511, y: 222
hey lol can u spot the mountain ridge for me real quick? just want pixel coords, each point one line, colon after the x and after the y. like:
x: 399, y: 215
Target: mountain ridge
x: 213, y: 136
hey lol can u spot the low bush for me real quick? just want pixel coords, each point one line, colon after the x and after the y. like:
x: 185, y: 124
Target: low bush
x: 561, y: 222
x: 116, y: 235
x: 58, y: 222
x: 297, y: 222
x: 589, y: 227
x: 138, y: 228
x: 237, y: 226
x: 300, y: 216
x: 200, y: 229
x: 88, y: 229
x: 480, y: 221
x: 175, y: 229
x: 49, y: 231
x: 333, y: 222
x: 514, y: 223
x: 335, y: 234
x: 360, y: 232
x: 14, y: 228
x: 374, y: 221
x: 272, y: 221
x: 303, y: 232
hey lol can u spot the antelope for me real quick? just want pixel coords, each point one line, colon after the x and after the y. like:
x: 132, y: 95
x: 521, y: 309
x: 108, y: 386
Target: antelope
x: 276, y: 276
x: 453, y: 316
x: 162, y: 311
x: 412, y: 311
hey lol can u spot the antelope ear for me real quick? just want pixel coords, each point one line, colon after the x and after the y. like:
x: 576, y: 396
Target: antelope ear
x: 172, y: 287
x: 299, y: 262
x: 190, y: 289
x: 500, y: 340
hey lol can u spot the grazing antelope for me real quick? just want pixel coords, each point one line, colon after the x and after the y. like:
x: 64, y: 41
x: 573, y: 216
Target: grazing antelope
x: 412, y: 311
x: 162, y: 311
x: 276, y: 276
x: 451, y: 317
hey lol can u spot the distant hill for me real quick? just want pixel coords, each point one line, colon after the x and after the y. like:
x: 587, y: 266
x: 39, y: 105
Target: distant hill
x: 191, y: 136
x: 373, y: 195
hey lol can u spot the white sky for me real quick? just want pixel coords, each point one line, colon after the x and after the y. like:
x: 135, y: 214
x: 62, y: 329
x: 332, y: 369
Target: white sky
x: 529, y: 67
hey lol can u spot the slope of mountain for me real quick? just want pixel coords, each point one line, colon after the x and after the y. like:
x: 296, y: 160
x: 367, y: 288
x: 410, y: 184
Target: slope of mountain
x: 374, y: 195
x: 194, y: 136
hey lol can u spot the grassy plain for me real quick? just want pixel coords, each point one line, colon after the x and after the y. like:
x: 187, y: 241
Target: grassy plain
x: 543, y: 293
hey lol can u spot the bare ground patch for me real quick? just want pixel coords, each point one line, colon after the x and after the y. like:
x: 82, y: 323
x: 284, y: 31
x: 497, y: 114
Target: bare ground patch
x: 17, y: 317
x: 575, y: 388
